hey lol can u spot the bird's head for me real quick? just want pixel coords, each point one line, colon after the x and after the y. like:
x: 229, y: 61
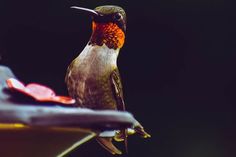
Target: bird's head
x: 109, y: 25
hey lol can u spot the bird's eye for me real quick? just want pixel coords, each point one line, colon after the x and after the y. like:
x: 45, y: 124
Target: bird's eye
x: 117, y: 16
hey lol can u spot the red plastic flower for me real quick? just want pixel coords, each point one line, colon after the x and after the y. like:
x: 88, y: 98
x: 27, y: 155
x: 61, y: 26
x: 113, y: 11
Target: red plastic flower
x: 38, y: 92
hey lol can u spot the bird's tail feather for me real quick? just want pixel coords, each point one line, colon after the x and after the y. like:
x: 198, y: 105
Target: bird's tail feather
x: 124, y: 132
x: 106, y: 142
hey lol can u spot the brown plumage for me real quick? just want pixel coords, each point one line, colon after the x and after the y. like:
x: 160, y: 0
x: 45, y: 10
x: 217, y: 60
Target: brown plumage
x: 93, y: 78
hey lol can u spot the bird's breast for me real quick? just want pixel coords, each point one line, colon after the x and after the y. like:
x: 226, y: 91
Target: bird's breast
x: 90, y: 73
x: 97, y: 60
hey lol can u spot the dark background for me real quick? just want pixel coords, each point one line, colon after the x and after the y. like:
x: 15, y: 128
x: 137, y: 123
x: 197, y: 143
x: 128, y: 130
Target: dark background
x: 177, y: 65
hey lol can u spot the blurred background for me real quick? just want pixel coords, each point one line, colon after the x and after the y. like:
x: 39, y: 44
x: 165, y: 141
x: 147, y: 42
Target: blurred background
x: 177, y: 65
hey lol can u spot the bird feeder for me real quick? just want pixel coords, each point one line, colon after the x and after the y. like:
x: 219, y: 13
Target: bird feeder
x: 32, y: 129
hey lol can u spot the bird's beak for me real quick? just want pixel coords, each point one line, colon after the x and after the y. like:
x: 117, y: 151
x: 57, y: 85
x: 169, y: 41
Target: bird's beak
x: 86, y: 10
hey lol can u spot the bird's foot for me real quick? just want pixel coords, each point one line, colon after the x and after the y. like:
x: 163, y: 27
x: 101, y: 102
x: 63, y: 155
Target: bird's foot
x: 120, y: 136
x: 105, y: 138
x: 140, y: 130
x: 137, y: 129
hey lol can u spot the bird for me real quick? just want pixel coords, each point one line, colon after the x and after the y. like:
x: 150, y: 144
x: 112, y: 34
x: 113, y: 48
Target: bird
x: 93, y: 77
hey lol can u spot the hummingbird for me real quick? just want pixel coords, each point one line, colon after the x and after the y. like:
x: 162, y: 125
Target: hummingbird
x: 93, y: 78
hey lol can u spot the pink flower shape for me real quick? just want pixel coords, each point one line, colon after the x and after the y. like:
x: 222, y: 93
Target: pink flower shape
x: 38, y: 92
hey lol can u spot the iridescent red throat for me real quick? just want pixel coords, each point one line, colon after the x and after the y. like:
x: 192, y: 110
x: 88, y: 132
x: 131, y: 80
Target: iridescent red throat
x: 107, y: 33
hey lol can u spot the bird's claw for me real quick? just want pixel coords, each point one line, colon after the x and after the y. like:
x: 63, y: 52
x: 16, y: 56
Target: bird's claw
x: 138, y: 128
x: 141, y: 132
x: 119, y: 136
x: 105, y: 138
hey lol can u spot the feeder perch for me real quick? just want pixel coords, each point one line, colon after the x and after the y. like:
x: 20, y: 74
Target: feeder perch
x: 42, y: 130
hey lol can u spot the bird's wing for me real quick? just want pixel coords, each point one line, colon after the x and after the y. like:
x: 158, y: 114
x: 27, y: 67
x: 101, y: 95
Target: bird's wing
x: 117, y: 90
x: 69, y: 82
x: 118, y: 93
